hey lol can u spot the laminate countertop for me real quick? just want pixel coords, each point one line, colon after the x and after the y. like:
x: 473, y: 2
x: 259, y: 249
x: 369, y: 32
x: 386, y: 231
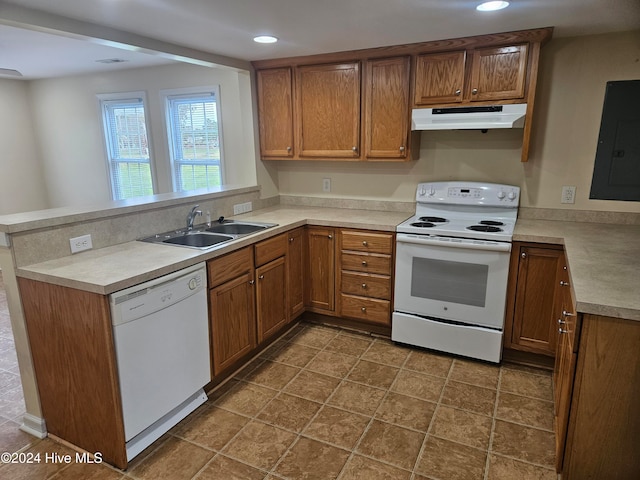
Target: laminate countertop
x: 604, y: 262
x: 604, y: 259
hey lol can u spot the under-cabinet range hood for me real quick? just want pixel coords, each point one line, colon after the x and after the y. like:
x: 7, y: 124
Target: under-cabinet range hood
x: 469, y: 118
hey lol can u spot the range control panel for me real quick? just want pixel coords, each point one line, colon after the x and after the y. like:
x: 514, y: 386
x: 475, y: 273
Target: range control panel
x: 468, y: 193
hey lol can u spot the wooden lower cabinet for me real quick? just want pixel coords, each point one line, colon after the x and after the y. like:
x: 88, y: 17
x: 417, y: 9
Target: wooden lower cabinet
x: 296, y: 271
x: 321, y: 270
x: 231, y: 308
x: 271, y: 298
x: 533, y: 297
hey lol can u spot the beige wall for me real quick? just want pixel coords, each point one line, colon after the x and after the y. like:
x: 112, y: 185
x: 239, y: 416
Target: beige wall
x: 21, y: 180
x: 571, y: 85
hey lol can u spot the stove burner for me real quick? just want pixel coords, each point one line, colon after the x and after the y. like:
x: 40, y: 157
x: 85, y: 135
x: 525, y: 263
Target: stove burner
x: 423, y: 224
x: 491, y: 222
x: 484, y: 228
x: 433, y: 219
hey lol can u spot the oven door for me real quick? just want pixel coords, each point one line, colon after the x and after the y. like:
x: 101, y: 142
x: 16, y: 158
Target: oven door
x: 459, y: 280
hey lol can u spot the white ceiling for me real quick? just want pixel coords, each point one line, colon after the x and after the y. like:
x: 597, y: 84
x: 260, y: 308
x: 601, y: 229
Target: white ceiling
x: 303, y: 26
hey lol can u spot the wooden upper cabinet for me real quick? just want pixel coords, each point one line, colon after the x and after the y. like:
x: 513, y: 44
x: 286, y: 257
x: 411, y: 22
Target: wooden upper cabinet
x: 328, y: 99
x: 387, y: 108
x: 439, y: 78
x: 275, y: 112
x: 498, y: 73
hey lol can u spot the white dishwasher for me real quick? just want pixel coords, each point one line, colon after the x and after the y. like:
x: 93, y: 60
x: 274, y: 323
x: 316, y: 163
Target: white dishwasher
x: 161, y: 335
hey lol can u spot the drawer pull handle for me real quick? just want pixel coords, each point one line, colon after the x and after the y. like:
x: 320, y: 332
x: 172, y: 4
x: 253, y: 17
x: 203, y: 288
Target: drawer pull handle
x: 563, y: 283
x: 364, y: 264
x: 261, y: 277
x: 561, y: 330
x: 251, y: 282
x: 363, y: 309
x: 561, y: 322
x: 567, y: 314
x: 364, y: 243
x: 364, y: 285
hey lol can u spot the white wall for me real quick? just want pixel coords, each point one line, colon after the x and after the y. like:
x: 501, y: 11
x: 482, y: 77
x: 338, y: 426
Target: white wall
x: 22, y: 185
x: 571, y: 85
x: 67, y: 116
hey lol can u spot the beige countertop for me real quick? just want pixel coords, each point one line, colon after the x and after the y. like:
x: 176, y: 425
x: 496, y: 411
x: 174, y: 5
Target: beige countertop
x: 604, y: 259
x: 604, y: 262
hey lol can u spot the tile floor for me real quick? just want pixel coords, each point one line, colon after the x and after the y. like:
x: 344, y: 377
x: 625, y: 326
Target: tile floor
x: 325, y: 403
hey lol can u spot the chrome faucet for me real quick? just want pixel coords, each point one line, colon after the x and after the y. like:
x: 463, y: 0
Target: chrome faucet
x: 192, y: 215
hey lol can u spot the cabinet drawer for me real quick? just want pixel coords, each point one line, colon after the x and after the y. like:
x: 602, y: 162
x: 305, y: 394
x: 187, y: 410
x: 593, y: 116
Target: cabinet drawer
x: 366, y: 309
x: 227, y: 267
x: 366, y: 285
x: 367, y: 241
x: 366, y: 262
x: 271, y: 249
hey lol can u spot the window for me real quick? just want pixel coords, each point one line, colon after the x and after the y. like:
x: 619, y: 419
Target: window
x: 125, y: 130
x: 195, y: 139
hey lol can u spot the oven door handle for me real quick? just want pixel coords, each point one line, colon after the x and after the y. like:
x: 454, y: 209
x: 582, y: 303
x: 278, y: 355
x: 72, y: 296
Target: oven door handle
x: 464, y: 243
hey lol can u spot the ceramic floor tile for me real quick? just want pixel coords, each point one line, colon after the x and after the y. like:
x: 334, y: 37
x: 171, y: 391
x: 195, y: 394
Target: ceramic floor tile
x: 289, y: 412
x: 527, y: 384
x: 338, y: 427
x: 259, y: 445
x: 391, y: 444
x: 295, y: 355
x: 272, y: 375
x: 430, y: 363
x: 461, y: 426
x: 175, y: 460
x: 316, y: 337
x: 213, y: 428
x: 447, y: 460
x: 524, y: 443
x: 406, y: 411
x: 475, y: 373
x: 349, y: 345
x: 469, y: 397
x: 313, y: 386
x: 502, y: 468
x: 386, y: 353
x: 85, y: 471
x: 357, y: 398
x: 425, y: 387
x: 224, y: 468
x: 12, y: 439
x: 362, y: 468
x: 332, y: 363
x: 373, y: 374
x: 312, y: 460
x: 529, y: 411
x: 246, y: 399
x: 42, y: 469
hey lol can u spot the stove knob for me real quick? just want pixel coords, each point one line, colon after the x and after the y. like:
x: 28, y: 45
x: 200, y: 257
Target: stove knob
x: 432, y: 192
x: 422, y: 192
x: 501, y: 194
x: 512, y: 195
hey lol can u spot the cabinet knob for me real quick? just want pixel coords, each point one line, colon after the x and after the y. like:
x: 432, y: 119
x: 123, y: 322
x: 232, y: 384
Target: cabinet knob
x: 330, y: 236
x: 355, y: 149
x: 288, y: 149
x: 364, y: 243
x: 260, y: 277
x: 523, y: 255
x: 364, y: 285
x: 561, y: 322
x: 363, y: 309
x: 561, y: 330
x: 563, y: 283
x: 458, y: 91
x: 567, y: 314
x: 364, y: 264
x: 291, y: 240
x: 474, y: 91
x: 251, y: 282
x: 402, y: 148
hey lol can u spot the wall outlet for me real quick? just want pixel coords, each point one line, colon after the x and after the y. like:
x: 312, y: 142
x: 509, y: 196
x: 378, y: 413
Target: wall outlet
x: 568, y: 194
x: 242, y: 208
x: 326, y: 184
x: 79, y: 244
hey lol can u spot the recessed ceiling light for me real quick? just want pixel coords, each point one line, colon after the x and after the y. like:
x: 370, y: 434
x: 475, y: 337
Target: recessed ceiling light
x: 491, y: 6
x: 265, y: 39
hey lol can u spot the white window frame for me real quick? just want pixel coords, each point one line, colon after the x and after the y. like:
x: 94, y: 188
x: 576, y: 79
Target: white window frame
x: 192, y: 92
x: 105, y: 101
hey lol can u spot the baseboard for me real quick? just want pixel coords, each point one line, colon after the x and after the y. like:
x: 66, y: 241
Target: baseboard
x: 33, y: 425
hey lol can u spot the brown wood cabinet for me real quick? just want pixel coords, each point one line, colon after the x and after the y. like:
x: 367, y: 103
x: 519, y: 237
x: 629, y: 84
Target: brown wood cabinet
x: 386, y: 115
x: 272, y: 306
x: 321, y: 270
x: 231, y: 308
x: 533, y: 297
x: 365, y: 276
x: 275, y: 112
x: 296, y: 272
x: 328, y: 101
x: 439, y: 78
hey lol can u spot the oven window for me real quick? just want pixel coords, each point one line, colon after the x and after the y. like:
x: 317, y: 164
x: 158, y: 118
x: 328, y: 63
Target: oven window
x: 447, y: 281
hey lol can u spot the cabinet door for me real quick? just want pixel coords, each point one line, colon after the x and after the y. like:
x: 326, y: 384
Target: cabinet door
x: 328, y: 98
x: 275, y: 112
x: 233, y: 327
x: 439, y: 78
x: 271, y: 298
x: 535, y: 327
x: 498, y: 73
x: 296, y: 271
x: 387, y: 108
x: 321, y: 285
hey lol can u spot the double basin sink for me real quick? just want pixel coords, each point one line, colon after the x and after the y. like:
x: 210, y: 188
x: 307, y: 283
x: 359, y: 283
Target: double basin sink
x: 204, y: 237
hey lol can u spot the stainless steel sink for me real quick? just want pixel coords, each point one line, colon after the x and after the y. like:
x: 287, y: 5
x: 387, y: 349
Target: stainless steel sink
x: 205, y: 237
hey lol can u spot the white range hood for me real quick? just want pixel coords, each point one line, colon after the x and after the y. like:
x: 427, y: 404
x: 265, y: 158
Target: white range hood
x: 469, y: 118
